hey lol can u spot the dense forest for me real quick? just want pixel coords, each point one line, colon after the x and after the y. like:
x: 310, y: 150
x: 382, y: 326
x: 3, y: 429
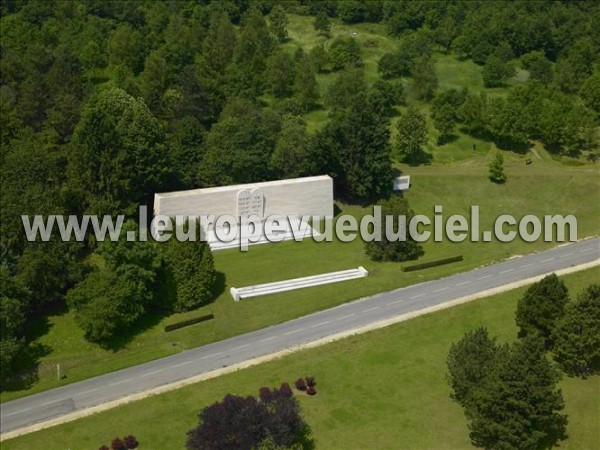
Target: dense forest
x: 105, y: 103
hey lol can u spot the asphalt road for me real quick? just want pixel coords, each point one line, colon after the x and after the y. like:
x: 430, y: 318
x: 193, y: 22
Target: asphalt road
x: 94, y: 391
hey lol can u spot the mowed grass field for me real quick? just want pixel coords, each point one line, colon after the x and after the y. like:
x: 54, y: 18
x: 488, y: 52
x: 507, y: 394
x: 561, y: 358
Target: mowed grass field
x: 456, y: 179
x: 380, y: 390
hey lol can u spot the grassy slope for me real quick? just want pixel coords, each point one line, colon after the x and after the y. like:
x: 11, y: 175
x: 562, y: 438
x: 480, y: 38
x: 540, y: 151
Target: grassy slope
x: 456, y: 179
x: 383, y: 389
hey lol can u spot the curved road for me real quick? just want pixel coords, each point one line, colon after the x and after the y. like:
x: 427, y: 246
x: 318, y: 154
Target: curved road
x: 94, y: 391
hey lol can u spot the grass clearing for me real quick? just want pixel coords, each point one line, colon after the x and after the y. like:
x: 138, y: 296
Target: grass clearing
x: 382, y: 389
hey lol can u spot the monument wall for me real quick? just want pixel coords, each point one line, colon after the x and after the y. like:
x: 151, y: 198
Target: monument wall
x: 296, y: 196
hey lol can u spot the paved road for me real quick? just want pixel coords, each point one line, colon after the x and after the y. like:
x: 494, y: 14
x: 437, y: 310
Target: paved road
x: 56, y: 402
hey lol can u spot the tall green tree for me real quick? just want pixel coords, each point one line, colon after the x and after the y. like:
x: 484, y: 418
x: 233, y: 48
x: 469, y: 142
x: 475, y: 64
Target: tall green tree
x: 541, y: 306
x: 345, y: 52
x: 279, y: 21
x: 306, y: 88
x: 388, y: 248
x: 496, y: 169
x: 577, y: 334
x: 322, y: 24
x: 118, y: 157
x: 189, y: 268
x: 359, y: 138
x: 470, y: 362
x: 520, y: 406
x: 496, y: 72
x: 239, y: 147
x: 411, y: 134
x: 425, y: 80
x: 14, y: 304
x: 280, y: 74
x: 289, y: 156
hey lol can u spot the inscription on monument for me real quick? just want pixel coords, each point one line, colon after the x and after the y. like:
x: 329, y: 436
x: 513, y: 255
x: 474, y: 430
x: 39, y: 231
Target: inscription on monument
x: 250, y: 202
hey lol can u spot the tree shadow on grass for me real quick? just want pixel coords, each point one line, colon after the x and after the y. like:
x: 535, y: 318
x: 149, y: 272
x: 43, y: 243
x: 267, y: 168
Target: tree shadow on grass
x: 148, y: 320
x: 28, y: 363
x: 418, y: 158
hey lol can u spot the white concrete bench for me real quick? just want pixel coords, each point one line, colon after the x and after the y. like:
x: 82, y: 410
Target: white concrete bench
x: 297, y: 283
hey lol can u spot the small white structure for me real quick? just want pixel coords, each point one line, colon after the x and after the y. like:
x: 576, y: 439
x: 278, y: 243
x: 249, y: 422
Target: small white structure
x: 402, y: 183
x: 297, y: 283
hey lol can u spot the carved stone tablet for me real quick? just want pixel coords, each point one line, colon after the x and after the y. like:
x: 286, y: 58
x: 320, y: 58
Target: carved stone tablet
x: 257, y: 202
x: 244, y: 202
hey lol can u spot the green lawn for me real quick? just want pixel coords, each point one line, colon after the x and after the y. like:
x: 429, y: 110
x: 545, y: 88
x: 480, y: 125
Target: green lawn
x: 382, y: 389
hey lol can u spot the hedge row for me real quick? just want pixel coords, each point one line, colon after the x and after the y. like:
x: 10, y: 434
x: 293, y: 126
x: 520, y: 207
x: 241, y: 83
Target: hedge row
x: 187, y: 322
x: 433, y: 263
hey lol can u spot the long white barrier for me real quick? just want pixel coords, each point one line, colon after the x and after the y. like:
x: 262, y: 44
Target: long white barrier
x: 297, y: 283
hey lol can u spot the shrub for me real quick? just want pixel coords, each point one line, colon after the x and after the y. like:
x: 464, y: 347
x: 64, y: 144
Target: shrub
x: 117, y: 444
x: 285, y: 390
x: 310, y: 381
x: 103, y: 447
x: 131, y: 442
x: 265, y: 394
x: 433, y: 263
x: 311, y: 390
x: 300, y: 384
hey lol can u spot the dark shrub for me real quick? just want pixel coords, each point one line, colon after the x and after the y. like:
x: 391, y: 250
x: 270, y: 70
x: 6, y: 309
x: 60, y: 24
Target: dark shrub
x: 130, y: 442
x: 103, y: 447
x: 311, y: 390
x: 117, y: 444
x: 285, y: 390
x: 300, y: 384
x: 310, y: 381
x: 265, y: 394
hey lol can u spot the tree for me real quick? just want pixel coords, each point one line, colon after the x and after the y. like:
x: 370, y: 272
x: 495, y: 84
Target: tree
x: 470, y: 361
x: 539, y: 67
x: 590, y: 91
x: 280, y: 74
x: 220, y: 42
x: 520, y: 404
x: 399, y: 249
x: 347, y: 86
x: 344, y: 52
x: 306, y: 88
x: 496, y: 169
x: 288, y: 160
x: 390, y: 65
x: 279, y: 23
x: 541, y: 306
x: 411, y: 134
x: 443, y: 120
x: 319, y: 57
x: 577, y: 334
x: 14, y: 302
x: 117, y: 293
x: 496, y: 72
x: 425, y: 80
x: 247, y: 423
x: 239, y: 147
x: 322, y: 24
x: 118, y: 156
x: 358, y: 140
x: 189, y: 267
x: 106, y: 304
